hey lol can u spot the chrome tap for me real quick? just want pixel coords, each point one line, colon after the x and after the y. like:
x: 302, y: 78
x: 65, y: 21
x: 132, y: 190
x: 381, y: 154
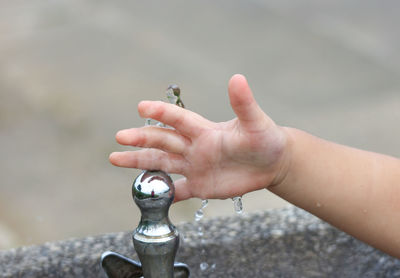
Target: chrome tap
x: 155, y: 239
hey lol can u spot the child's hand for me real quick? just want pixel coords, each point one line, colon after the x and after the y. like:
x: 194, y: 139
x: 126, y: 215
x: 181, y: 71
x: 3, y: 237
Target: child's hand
x: 218, y: 160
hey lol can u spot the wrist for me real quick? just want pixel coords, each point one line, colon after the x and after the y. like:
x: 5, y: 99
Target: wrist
x: 285, y: 163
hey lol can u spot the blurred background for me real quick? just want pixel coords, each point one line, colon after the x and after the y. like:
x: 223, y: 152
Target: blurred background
x: 73, y: 71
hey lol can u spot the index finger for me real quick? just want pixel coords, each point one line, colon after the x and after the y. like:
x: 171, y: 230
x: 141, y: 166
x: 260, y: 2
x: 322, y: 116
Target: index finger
x: 185, y: 121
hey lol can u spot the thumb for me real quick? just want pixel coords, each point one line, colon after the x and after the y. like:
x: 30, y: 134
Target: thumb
x: 244, y: 105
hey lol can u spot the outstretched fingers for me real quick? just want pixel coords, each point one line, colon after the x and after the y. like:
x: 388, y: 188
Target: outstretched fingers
x: 153, y: 137
x: 185, y: 121
x: 149, y: 159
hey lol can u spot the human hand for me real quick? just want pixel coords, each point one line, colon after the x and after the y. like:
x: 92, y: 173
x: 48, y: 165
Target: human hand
x: 217, y: 160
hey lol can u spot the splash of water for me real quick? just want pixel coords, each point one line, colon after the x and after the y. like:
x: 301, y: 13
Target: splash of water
x: 173, y: 96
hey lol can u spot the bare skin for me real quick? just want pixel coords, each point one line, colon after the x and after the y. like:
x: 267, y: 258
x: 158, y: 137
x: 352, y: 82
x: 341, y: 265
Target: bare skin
x: 355, y: 190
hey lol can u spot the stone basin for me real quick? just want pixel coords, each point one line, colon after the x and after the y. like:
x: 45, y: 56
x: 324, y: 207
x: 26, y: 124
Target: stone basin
x: 285, y: 242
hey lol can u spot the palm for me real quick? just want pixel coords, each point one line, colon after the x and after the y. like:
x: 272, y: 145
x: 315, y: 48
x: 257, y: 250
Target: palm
x: 228, y: 161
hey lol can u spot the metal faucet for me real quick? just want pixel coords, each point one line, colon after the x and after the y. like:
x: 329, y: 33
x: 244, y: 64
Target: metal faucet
x: 156, y: 239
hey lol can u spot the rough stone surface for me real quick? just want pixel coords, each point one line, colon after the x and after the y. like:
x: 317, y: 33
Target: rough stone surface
x: 276, y: 243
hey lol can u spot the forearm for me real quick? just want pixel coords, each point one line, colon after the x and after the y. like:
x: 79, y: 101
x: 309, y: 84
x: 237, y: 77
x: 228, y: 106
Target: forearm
x: 355, y: 190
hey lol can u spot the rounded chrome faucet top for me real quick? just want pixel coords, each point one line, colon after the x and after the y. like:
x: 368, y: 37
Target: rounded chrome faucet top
x: 153, y: 184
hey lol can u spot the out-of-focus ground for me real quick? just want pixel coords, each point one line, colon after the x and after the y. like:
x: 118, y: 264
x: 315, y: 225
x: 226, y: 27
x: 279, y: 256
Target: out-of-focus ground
x: 72, y: 72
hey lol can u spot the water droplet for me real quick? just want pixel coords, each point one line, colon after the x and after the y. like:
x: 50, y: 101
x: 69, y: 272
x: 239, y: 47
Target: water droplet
x: 198, y: 215
x: 318, y: 204
x: 200, y: 231
x: 203, y: 266
x: 237, y: 204
x: 213, y: 266
x: 204, y: 203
